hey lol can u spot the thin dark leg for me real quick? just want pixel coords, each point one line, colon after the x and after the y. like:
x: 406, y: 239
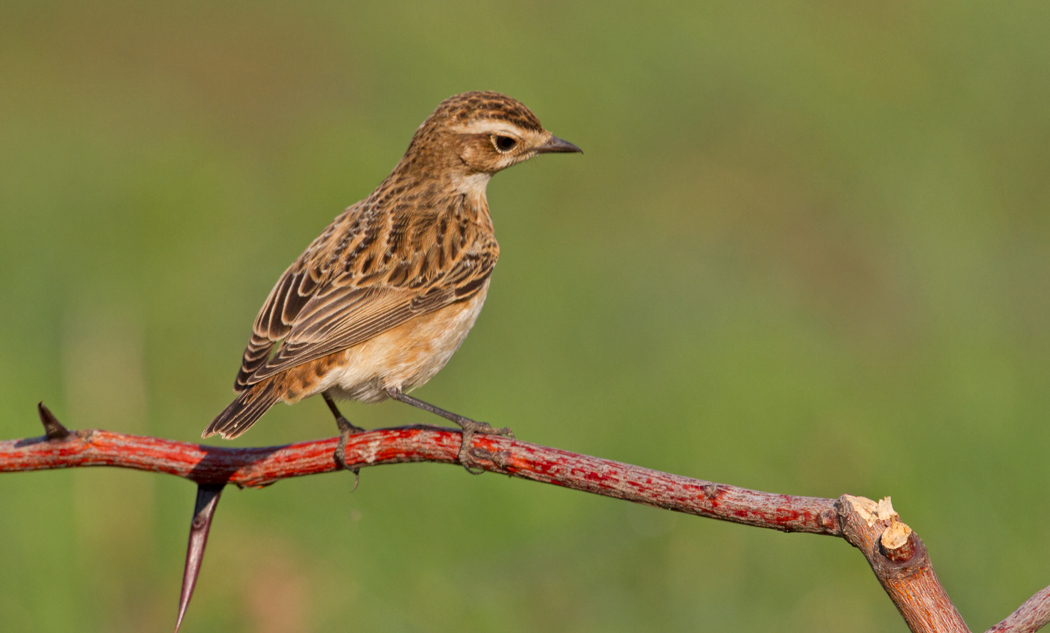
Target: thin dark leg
x: 346, y: 429
x: 470, y: 427
x: 342, y: 422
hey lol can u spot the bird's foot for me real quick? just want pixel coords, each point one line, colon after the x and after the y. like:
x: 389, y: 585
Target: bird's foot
x: 346, y: 429
x: 470, y: 428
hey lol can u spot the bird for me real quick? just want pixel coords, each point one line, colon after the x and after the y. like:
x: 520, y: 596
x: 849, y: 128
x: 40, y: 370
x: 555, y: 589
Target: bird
x: 379, y: 302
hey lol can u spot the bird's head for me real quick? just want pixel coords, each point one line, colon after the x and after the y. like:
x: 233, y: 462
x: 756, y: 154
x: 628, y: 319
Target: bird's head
x: 483, y: 133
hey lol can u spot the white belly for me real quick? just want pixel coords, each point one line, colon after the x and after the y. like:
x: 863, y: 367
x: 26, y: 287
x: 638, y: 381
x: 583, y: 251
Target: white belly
x: 404, y: 357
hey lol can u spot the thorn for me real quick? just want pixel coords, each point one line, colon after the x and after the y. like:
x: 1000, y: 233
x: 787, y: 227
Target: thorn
x: 203, y: 511
x: 53, y: 429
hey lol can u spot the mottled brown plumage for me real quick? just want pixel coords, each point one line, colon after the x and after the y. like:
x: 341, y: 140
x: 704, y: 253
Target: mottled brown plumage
x: 380, y: 301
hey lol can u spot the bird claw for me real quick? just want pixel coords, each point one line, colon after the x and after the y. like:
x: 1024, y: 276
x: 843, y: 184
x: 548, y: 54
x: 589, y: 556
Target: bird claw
x: 485, y: 428
x: 346, y: 429
x: 470, y: 427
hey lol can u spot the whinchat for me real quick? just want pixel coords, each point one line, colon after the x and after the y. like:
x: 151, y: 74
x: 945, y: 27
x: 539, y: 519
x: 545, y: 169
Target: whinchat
x: 378, y: 303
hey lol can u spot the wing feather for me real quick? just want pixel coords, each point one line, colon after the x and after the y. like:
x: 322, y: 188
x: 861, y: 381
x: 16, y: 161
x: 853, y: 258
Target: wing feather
x: 343, y: 291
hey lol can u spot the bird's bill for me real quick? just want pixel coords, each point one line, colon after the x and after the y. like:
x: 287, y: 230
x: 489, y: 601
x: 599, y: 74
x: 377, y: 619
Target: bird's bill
x: 555, y: 145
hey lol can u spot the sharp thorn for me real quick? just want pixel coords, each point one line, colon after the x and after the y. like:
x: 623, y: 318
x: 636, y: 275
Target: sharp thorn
x: 53, y: 429
x: 203, y: 511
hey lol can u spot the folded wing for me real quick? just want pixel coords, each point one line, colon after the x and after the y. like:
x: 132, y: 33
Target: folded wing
x: 377, y: 278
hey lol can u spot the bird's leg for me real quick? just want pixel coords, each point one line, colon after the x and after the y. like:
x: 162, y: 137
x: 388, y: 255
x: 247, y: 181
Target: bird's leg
x: 346, y: 429
x: 470, y: 427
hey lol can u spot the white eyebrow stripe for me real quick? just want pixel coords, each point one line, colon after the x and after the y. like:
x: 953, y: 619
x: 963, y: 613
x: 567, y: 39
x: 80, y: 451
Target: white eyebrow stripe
x: 489, y: 126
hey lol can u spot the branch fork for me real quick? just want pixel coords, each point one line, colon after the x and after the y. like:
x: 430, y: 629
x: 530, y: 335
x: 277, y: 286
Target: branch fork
x: 895, y: 553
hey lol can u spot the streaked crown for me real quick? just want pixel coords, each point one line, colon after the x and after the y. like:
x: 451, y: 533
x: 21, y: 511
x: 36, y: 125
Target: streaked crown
x: 470, y: 107
x: 479, y: 133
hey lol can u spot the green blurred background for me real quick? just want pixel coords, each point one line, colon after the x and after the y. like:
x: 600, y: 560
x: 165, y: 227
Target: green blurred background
x: 807, y: 251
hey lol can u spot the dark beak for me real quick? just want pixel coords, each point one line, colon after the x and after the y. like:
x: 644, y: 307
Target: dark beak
x: 557, y: 146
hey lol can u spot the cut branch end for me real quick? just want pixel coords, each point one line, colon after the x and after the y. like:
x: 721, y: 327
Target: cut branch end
x: 897, y: 541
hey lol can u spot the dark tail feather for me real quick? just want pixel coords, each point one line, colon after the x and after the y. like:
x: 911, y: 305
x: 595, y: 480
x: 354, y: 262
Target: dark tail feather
x: 243, y: 412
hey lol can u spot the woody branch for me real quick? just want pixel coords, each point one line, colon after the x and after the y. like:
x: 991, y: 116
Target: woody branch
x: 895, y: 553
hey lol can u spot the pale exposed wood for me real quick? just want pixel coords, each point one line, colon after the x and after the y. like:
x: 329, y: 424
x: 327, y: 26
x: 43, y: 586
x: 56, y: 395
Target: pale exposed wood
x: 910, y: 581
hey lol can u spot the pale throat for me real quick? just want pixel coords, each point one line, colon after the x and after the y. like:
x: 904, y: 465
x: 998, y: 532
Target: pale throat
x: 473, y: 185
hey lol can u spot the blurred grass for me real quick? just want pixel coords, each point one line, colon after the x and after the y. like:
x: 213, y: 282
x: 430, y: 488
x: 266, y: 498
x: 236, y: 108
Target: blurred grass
x: 807, y: 251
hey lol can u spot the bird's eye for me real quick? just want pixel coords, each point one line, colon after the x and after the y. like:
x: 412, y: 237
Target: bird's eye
x: 505, y: 143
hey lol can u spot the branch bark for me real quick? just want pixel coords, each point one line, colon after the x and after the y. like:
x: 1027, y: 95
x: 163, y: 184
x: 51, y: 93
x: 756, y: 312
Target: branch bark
x: 1031, y: 616
x: 896, y: 555
x: 901, y: 563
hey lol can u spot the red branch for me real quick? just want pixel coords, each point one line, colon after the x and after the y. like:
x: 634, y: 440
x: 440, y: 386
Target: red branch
x: 257, y: 467
x: 897, y: 556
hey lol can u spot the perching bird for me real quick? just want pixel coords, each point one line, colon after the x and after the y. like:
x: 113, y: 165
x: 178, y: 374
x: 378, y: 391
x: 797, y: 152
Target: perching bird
x: 379, y: 302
